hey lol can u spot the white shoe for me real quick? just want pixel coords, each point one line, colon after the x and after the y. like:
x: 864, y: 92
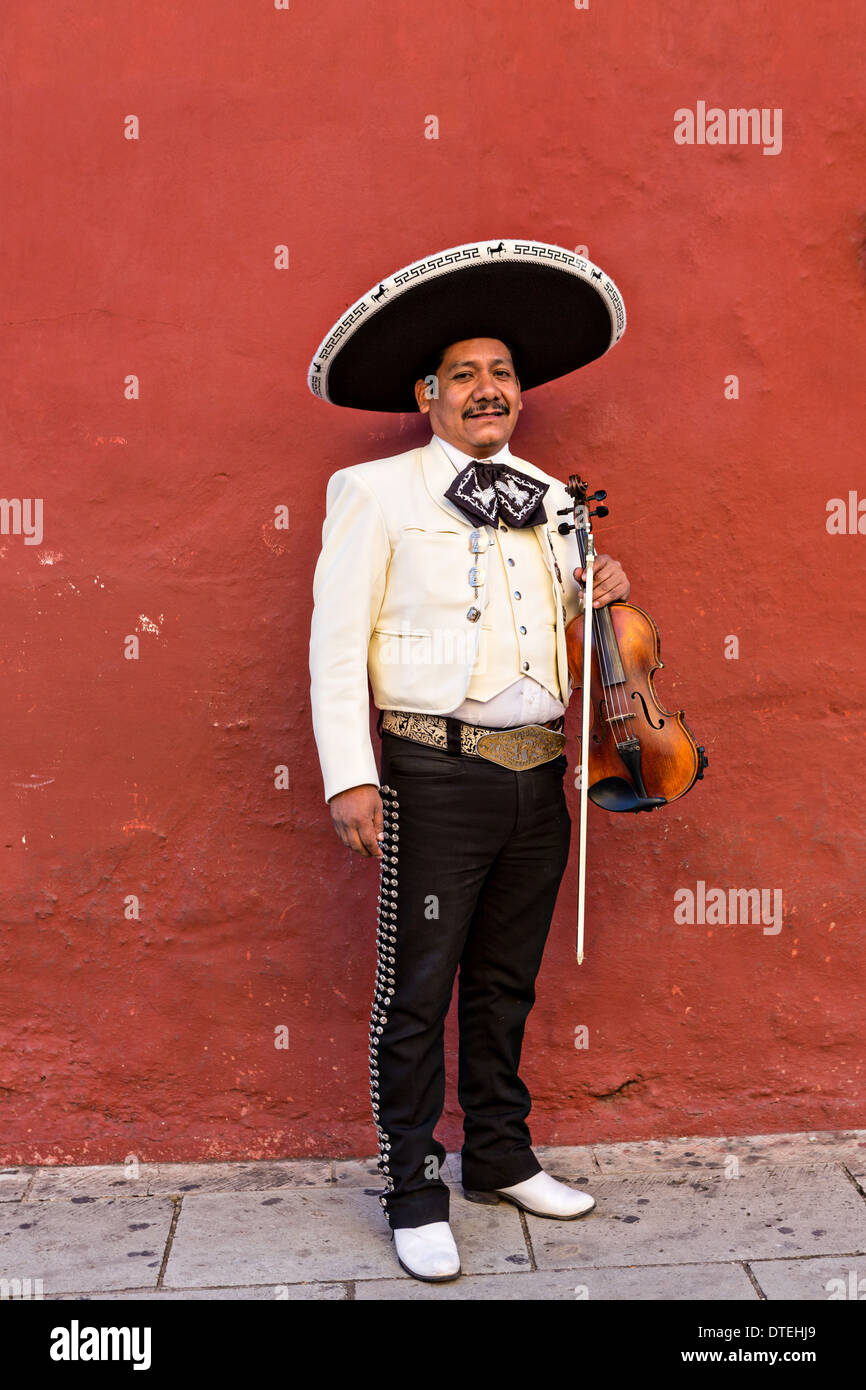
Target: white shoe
x: 541, y: 1195
x: 428, y: 1252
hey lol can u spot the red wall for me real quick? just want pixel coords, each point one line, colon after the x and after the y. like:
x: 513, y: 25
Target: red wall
x: 155, y: 777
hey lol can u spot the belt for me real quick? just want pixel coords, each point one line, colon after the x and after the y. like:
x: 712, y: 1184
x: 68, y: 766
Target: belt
x: 517, y: 749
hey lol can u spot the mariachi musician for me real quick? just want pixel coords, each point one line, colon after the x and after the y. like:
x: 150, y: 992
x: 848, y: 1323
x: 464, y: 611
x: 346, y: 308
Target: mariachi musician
x: 444, y: 579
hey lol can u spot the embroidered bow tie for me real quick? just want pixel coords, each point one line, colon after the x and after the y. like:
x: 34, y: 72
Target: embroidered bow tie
x: 487, y: 491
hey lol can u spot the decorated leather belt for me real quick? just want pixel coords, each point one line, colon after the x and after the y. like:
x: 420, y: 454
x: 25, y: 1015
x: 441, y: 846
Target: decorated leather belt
x: 517, y: 749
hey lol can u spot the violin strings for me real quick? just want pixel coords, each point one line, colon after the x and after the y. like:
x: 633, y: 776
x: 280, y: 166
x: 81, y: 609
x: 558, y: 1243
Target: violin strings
x: 611, y: 686
x: 613, y: 691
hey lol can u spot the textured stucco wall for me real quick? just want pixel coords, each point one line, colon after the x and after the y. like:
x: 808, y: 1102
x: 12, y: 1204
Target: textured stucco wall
x: 154, y: 777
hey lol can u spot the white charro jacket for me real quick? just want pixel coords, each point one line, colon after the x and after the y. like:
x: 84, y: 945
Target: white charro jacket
x: 392, y: 602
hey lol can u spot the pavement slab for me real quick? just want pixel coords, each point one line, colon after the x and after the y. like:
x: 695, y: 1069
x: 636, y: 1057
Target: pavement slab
x: 250, y: 1293
x: 258, y: 1176
x: 573, y: 1165
x: 358, y: 1172
x: 714, y: 1155
x: 13, y: 1183
x: 327, y: 1234
x: 157, y: 1179
x: 278, y: 1238
x: 108, y: 1180
x: 825, y: 1278
x: 86, y: 1243
x: 675, y: 1219
x: 682, y: 1282
x: 363, y: 1172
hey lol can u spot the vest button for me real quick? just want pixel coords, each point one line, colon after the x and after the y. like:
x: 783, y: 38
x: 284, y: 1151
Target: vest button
x: 517, y: 593
x: 526, y: 665
x: 511, y: 562
x: 523, y: 630
x: 473, y: 614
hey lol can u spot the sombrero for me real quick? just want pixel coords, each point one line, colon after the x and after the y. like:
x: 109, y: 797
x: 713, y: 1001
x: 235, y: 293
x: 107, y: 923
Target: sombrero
x: 555, y: 309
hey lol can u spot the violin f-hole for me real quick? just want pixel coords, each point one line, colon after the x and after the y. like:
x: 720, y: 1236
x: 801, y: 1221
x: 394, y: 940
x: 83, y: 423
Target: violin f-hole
x: 636, y: 695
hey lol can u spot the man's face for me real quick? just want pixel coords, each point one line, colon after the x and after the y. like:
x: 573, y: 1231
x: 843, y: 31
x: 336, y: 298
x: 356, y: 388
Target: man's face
x: 479, y: 397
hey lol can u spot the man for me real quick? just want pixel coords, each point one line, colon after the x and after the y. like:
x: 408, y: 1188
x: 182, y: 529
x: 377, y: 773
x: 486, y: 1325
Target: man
x: 441, y: 578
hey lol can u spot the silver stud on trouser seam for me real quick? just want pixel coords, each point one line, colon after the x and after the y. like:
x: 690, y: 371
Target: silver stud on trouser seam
x: 385, y: 939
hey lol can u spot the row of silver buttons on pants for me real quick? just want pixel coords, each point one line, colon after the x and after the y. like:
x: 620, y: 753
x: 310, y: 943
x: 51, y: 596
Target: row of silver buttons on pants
x: 386, y: 935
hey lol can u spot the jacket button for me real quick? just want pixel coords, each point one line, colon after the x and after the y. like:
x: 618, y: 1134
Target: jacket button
x: 473, y: 614
x: 526, y: 665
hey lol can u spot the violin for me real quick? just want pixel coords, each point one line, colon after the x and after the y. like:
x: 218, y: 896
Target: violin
x: 641, y: 755
x: 635, y: 754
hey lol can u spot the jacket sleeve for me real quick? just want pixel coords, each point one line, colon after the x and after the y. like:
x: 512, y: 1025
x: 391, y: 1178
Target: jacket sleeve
x: 348, y: 588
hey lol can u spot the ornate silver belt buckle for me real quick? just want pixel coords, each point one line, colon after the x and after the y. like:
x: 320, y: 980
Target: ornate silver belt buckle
x: 520, y: 749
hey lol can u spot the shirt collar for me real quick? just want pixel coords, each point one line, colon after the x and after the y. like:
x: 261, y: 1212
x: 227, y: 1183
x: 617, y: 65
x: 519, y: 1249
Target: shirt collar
x: 460, y: 460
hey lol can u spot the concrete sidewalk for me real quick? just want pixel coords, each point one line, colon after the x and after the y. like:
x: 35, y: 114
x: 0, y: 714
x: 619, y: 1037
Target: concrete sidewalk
x: 779, y: 1216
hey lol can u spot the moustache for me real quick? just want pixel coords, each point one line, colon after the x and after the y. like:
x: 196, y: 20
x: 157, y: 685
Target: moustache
x: 486, y: 410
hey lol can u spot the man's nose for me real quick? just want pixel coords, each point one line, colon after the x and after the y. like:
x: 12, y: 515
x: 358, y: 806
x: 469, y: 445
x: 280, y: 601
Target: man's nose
x: 485, y: 386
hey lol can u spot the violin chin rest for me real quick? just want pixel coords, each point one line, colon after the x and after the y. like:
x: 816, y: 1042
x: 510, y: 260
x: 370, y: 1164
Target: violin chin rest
x: 616, y: 794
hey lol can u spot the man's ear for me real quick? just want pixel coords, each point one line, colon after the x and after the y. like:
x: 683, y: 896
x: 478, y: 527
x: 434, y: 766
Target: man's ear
x: 422, y: 395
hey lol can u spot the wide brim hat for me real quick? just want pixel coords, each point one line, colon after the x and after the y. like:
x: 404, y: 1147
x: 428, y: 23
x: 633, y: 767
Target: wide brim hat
x: 555, y: 309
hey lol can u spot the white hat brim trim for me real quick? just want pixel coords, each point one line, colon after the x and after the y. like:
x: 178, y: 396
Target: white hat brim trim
x: 444, y: 263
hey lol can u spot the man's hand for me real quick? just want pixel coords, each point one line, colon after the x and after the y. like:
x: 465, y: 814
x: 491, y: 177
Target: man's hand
x: 609, y: 581
x: 357, y: 816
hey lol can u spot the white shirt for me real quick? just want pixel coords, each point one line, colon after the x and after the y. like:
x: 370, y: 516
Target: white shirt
x: 525, y: 701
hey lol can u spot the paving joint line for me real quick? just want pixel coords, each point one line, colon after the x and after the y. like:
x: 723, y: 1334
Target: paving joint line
x: 828, y: 1255
x: 177, y: 1203
x: 753, y: 1280
x: 528, y: 1239
x: 851, y: 1178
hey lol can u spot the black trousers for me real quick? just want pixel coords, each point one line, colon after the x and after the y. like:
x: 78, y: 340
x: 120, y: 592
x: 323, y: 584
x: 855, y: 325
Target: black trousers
x: 474, y: 856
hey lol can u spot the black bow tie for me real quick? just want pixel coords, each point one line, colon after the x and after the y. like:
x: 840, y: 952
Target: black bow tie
x: 485, y: 491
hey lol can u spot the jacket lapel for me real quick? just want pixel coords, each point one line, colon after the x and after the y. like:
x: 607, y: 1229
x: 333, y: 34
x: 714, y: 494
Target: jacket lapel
x: 439, y: 473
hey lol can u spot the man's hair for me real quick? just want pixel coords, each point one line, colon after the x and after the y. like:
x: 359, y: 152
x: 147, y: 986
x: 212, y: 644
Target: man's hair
x: 433, y: 361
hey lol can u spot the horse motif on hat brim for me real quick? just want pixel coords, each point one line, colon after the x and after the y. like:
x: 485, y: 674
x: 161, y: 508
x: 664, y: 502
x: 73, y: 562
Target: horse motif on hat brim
x: 556, y: 310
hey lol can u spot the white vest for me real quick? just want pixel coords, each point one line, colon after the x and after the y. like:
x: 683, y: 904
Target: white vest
x: 518, y: 628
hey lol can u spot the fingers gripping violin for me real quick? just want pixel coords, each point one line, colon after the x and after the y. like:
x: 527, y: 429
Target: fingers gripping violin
x: 635, y: 754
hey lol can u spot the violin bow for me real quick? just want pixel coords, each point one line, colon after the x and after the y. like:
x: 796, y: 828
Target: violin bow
x: 584, y: 737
